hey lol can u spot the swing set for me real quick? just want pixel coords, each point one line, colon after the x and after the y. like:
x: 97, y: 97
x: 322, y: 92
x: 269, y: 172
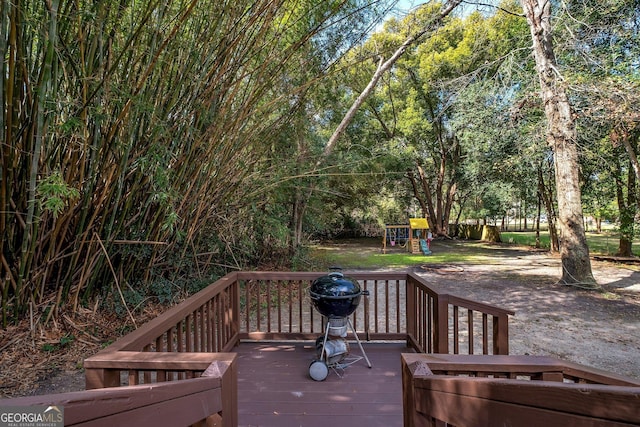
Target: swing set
x: 414, y: 236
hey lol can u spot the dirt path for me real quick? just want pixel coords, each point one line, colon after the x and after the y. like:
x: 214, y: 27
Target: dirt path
x: 601, y: 330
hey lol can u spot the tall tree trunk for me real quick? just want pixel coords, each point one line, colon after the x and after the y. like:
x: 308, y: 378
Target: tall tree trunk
x: 623, y: 134
x: 627, y: 208
x: 537, y: 219
x: 416, y: 193
x: 561, y: 136
x: 547, y: 198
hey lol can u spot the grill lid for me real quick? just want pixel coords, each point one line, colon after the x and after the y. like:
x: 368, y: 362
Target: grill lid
x: 335, y: 286
x: 335, y: 295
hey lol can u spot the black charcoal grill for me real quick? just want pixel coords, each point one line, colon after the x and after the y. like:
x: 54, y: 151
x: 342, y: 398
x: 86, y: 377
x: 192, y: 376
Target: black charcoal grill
x: 335, y: 297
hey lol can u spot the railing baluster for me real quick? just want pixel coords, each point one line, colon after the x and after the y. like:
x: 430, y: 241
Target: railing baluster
x: 398, y: 329
x: 290, y: 304
x: 456, y: 330
x: 471, y: 334
x: 386, y: 307
x: 247, y: 304
x: 268, y: 297
x: 203, y: 329
x: 180, y: 337
x: 485, y: 334
x: 189, y: 336
x: 220, y: 316
x: 147, y: 374
x: 170, y: 338
x: 430, y: 326
x: 279, y: 284
x: 195, y: 333
x: 133, y: 377
x: 423, y: 309
x: 441, y: 324
x: 376, y: 309
x: 230, y: 302
x: 300, y: 319
x: 258, y: 303
x: 211, y: 328
x: 311, y: 322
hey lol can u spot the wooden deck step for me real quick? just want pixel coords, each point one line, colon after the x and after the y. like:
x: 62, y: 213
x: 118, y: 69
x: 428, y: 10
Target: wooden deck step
x: 274, y: 387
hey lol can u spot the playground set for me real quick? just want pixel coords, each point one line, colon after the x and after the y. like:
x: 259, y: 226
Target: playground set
x: 415, y: 236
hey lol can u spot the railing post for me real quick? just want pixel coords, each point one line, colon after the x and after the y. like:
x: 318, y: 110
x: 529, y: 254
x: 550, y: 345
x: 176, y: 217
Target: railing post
x: 230, y: 395
x: 410, y: 309
x: 413, y: 366
x: 226, y: 370
x: 236, y: 310
x: 441, y: 317
x: 501, y: 334
x: 101, y: 378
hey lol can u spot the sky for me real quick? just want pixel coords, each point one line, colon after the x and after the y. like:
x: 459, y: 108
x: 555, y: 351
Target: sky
x: 404, y: 6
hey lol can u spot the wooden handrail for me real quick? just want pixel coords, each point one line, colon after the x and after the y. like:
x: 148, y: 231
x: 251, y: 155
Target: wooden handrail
x: 477, y: 390
x: 429, y: 329
x: 149, y: 332
x: 104, y: 369
x: 209, y: 399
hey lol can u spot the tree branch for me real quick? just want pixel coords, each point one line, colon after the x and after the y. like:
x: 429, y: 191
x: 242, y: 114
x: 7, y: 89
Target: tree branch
x: 382, y: 68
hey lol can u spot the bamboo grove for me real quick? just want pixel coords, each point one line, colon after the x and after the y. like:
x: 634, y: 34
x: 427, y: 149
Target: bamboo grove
x: 133, y: 135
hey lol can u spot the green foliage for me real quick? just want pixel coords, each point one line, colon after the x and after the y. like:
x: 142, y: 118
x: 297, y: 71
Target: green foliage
x: 55, y: 194
x: 165, y: 291
x: 64, y: 342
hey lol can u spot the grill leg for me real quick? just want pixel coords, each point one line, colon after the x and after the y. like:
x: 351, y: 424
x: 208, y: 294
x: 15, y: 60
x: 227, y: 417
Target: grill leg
x: 359, y: 343
x: 323, y: 354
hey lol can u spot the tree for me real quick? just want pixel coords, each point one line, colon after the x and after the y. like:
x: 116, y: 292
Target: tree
x: 561, y: 137
x: 435, y: 13
x: 601, y: 56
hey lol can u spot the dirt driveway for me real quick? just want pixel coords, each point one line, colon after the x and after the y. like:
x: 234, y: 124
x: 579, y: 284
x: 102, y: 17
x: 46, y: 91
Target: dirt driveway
x: 601, y: 330
x: 598, y: 329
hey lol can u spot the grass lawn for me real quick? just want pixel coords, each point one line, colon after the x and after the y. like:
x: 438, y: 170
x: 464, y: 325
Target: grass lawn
x: 605, y: 243
x: 366, y: 253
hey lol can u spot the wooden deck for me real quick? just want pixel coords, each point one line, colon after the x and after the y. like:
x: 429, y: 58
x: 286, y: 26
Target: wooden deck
x: 267, y: 383
x: 274, y: 387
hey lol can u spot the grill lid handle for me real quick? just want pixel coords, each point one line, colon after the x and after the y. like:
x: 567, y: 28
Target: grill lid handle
x: 335, y: 271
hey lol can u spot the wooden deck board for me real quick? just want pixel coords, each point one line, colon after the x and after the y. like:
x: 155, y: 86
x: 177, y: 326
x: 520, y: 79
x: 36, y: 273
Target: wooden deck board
x: 274, y: 387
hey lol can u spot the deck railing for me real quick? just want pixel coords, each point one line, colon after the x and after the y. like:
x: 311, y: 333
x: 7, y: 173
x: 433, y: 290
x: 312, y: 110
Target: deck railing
x: 464, y: 391
x: 176, y: 346
x: 205, y: 398
x: 276, y: 305
x: 400, y: 306
x: 182, y: 343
